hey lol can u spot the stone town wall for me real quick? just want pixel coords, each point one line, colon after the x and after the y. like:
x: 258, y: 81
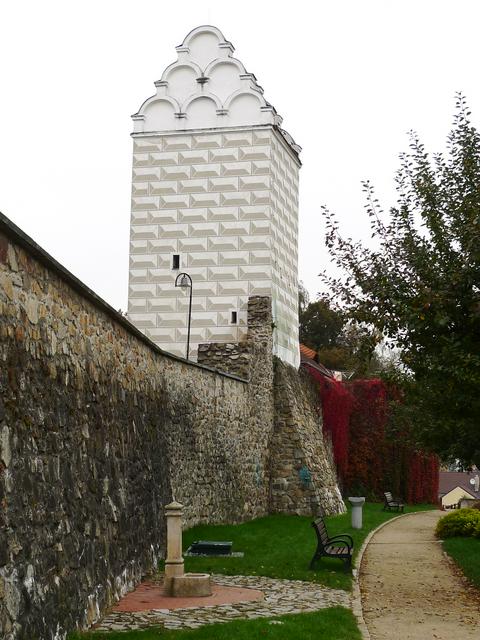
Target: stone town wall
x: 231, y: 357
x: 99, y: 429
x: 212, y: 452
x: 301, y: 469
x: 303, y: 480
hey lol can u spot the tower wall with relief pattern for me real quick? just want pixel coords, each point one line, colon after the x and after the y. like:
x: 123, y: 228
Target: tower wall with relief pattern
x: 214, y: 193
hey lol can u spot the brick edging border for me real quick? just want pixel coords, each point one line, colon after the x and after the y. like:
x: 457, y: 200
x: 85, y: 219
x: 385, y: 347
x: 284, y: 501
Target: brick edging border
x: 356, y: 595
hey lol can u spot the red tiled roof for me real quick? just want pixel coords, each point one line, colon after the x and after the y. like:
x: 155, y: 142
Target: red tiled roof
x: 306, y: 351
x: 307, y: 356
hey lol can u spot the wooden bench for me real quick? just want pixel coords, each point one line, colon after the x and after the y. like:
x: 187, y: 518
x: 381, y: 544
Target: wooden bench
x: 340, y: 547
x: 392, y: 504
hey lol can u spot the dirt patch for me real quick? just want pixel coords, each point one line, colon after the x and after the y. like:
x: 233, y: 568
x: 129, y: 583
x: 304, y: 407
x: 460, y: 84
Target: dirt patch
x: 411, y: 590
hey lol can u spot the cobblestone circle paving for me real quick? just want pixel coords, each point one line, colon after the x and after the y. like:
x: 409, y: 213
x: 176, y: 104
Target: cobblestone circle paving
x: 281, y: 597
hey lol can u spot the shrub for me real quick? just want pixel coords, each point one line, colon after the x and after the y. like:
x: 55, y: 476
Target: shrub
x: 463, y: 522
x: 476, y: 505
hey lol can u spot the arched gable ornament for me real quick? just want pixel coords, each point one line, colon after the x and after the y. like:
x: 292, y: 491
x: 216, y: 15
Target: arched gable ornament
x: 206, y: 87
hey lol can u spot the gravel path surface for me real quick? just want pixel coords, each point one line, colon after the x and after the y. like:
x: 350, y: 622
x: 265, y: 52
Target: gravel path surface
x: 411, y: 590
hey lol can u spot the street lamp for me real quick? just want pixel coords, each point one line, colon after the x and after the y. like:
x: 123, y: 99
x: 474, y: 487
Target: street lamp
x: 184, y: 281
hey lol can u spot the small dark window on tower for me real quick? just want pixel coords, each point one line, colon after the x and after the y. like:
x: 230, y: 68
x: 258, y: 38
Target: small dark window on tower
x: 234, y: 317
x: 176, y: 262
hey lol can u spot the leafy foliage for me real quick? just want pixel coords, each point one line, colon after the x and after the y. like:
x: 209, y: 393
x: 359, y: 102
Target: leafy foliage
x: 461, y: 522
x: 420, y: 285
x: 320, y: 325
x: 303, y: 298
x: 340, y: 344
x: 370, y: 458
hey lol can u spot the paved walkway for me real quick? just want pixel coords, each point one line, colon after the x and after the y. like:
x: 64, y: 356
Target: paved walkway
x: 410, y: 591
x: 279, y: 597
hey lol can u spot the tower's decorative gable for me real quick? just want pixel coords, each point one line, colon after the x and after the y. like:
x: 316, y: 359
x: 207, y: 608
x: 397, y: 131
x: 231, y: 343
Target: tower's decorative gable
x: 215, y: 193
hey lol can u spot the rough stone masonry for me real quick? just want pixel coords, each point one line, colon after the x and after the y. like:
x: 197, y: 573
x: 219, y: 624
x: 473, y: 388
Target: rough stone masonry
x: 99, y: 429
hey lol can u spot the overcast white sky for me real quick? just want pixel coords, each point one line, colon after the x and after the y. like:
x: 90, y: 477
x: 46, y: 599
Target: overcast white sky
x: 349, y: 77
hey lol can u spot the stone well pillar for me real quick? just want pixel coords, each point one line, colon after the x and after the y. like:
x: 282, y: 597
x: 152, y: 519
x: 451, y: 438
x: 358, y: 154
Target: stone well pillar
x: 176, y: 582
x: 174, y: 561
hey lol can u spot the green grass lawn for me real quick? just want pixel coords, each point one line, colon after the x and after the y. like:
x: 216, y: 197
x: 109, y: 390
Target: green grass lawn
x: 281, y: 546
x: 466, y: 553
x: 336, y: 623
x: 276, y: 546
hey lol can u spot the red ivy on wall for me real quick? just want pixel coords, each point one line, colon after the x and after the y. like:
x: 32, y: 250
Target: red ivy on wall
x: 355, y: 415
x: 337, y: 404
x: 367, y: 451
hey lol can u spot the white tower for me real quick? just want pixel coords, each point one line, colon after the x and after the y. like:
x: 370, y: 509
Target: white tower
x: 215, y: 195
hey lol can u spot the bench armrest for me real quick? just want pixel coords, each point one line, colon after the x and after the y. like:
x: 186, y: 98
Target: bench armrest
x: 344, y: 537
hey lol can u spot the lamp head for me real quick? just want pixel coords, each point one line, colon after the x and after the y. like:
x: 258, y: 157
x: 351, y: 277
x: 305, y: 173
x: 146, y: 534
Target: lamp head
x: 184, y: 282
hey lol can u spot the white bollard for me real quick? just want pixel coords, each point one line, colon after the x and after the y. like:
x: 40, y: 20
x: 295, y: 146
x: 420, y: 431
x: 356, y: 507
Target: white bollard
x: 357, y: 512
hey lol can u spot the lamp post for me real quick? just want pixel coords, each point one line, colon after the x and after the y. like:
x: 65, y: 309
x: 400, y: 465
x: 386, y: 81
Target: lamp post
x: 184, y: 281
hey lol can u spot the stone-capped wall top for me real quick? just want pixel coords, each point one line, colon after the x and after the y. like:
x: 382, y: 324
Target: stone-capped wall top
x: 207, y: 88
x: 259, y: 311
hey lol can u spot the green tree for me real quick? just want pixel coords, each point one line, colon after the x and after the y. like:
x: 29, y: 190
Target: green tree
x: 303, y: 299
x: 420, y: 285
x: 320, y: 325
x: 341, y: 345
